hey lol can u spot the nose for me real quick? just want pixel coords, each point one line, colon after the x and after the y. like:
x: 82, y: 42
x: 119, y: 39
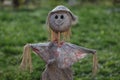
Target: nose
x: 59, y: 21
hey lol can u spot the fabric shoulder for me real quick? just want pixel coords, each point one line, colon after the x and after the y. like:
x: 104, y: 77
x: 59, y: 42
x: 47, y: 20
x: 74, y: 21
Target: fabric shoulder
x: 69, y: 53
x: 41, y: 49
x: 80, y: 48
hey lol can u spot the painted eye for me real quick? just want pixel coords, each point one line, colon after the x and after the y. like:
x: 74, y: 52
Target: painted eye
x: 62, y: 17
x: 56, y: 17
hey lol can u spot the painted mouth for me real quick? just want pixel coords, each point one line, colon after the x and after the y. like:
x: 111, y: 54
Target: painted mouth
x: 59, y: 24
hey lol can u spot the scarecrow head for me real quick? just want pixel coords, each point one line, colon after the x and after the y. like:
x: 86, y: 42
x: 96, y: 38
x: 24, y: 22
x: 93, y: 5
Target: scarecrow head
x: 60, y: 20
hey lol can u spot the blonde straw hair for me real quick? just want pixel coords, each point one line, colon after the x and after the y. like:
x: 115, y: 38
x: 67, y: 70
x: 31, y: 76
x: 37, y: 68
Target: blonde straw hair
x: 26, y: 60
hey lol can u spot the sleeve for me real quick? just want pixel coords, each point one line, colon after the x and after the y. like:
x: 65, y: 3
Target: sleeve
x: 41, y: 49
x: 81, y: 52
x: 70, y: 53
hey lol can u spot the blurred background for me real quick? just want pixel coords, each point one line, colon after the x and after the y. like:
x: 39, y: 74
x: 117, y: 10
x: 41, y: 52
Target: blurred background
x: 98, y: 27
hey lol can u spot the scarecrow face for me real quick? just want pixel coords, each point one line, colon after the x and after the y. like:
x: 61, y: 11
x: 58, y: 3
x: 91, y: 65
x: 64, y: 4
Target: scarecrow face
x: 60, y: 21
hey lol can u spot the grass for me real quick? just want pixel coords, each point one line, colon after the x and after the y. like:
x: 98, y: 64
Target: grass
x: 98, y: 28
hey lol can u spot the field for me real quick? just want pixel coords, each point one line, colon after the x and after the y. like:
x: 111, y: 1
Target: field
x: 98, y: 28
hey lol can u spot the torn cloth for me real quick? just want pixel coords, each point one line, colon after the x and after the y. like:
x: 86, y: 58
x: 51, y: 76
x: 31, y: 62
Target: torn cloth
x: 65, y: 55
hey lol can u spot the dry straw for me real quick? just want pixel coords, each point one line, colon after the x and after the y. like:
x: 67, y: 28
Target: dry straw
x: 26, y: 60
x: 95, y: 64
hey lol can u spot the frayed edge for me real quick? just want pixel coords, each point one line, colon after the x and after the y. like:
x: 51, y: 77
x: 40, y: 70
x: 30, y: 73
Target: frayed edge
x: 26, y: 59
x: 95, y: 64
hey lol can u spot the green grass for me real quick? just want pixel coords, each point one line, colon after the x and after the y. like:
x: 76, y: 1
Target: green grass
x: 97, y: 28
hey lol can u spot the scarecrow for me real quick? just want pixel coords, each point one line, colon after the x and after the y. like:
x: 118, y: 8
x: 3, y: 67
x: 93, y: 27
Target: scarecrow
x: 58, y: 54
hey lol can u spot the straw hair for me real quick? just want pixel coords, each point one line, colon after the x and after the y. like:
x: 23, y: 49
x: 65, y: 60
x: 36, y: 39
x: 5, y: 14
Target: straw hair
x: 66, y: 35
x: 95, y: 64
x: 26, y: 60
x: 58, y: 35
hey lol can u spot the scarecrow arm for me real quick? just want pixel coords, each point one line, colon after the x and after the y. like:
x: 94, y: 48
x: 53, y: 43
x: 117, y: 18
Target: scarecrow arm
x: 41, y: 49
x: 70, y: 53
x: 83, y: 49
x: 80, y: 52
